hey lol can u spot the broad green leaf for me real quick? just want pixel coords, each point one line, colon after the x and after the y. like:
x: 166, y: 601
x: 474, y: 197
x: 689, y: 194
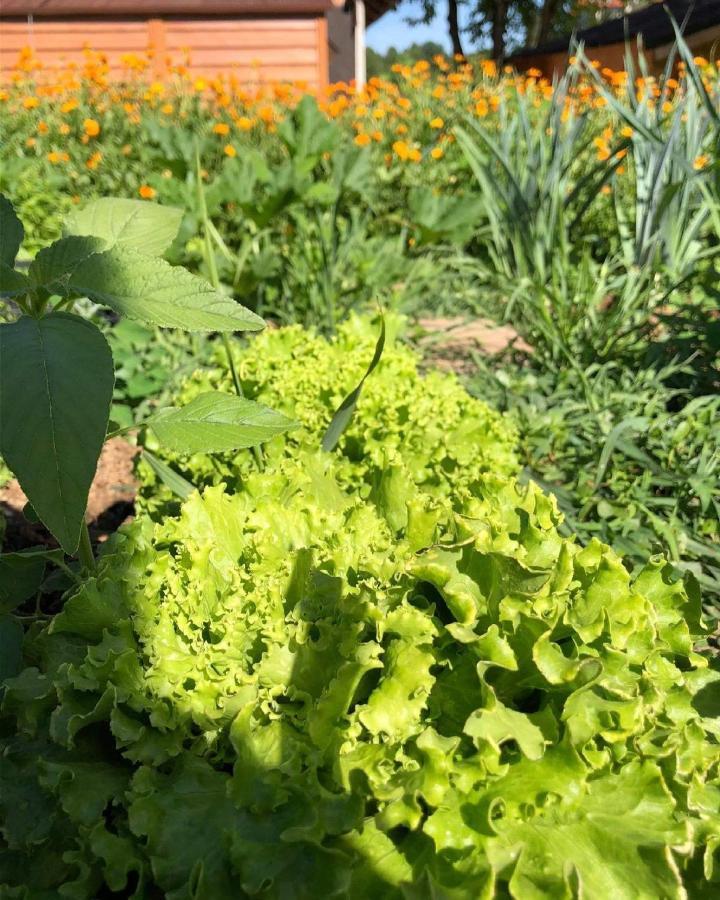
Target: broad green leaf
x: 137, y: 224
x: 11, y: 638
x: 56, y: 383
x: 59, y: 259
x: 21, y: 575
x: 169, y: 477
x: 214, y: 422
x: 11, y: 232
x: 344, y: 412
x: 154, y: 292
x: 12, y: 283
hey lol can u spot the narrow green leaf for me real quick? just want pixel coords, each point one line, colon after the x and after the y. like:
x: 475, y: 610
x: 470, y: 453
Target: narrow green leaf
x: 214, y: 422
x: 344, y: 412
x: 154, y: 292
x: 169, y: 477
x: 56, y: 383
x: 61, y: 258
x: 137, y: 224
x: 12, y: 283
x: 11, y: 232
x: 633, y: 422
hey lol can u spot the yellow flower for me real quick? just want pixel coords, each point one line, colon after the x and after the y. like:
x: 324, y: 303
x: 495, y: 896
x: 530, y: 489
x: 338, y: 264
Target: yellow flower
x: 91, y: 127
x: 362, y: 140
x: 146, y: 192
x: 377, y: 136
x: 700, y: 162
x: 221, y: 128
x: 57, y: 156
x: 437, y: 153
x: 626, y: 132
x: 437, y: 122
x: 43, y: 128
x: 64, y: 128
x: 401, y: 149
x: 229, y: 150
x: 481, y: 108
x: 244, y: 124
x: 31, y: 102
x: 167, y: 109
x: 94, y: 160
x: 69, y: 106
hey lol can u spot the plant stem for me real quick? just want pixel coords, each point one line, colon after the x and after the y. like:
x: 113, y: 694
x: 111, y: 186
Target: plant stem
x: 85, y: 550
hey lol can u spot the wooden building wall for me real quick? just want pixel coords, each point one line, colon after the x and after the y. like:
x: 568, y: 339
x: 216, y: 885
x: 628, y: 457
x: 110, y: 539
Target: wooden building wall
x: 254, y: 49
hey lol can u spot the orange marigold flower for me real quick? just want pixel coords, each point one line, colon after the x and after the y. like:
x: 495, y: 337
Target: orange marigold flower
x: 69, y: 105
x: 91, y: 127
x: 229, y: 150
x: 481, y: 108
x: 362, y: 140
x: 221, y: 128
x: 245, y: 124
x: 401, y: 149
x: 167, y: 109
x: 57, y: 156
x: 94, y: 160
x: 377, y: 135
x: 146, y: 192
x: 43, y: 128
x: 437, y: 153
x: 64, y: 128
x: 437, y: 122
x: 31, y: 103
x: 700, y: 162
x: 626, y: 132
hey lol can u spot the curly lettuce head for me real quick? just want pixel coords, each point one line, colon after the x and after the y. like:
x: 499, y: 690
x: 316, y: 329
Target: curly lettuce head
x: 442, y: 436
x: 291, y: 692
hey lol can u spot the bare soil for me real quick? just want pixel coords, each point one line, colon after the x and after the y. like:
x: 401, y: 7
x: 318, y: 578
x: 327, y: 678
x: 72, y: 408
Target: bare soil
x: 109, y: 505
x: 448, y: 343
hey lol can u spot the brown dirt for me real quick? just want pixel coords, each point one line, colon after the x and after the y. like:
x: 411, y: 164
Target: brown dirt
x: 448, y: 343
x: 109, y: 505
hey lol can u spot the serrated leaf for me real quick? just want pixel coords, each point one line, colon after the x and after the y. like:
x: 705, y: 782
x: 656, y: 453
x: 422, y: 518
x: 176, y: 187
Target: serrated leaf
x: 56, y: 383
x: 214, y: 422
x: 137, y: 224
x: 61, y: 258
x: 344, y: 412
x: 154, y: 292
x: 12, y: 283
x: 11, y: 232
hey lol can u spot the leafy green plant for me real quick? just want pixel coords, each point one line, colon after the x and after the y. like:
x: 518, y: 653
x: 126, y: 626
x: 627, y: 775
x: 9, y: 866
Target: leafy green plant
x: 445, y: 438
x: 282, y: 693
x: 56, y: 368
x: 638, y: 468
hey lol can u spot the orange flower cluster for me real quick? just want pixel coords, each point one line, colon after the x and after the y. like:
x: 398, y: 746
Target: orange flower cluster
x: 410, y: 115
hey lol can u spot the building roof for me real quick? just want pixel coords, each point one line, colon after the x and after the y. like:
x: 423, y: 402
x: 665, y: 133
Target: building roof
x: 146, y: 8
x: 652, y: 22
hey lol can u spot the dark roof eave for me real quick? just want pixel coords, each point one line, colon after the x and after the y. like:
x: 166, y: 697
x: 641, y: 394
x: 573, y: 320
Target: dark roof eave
x: 651, y: 22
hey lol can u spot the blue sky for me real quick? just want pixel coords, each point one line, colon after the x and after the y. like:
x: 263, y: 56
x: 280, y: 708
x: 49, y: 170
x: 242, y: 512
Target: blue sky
x: 391, y: 30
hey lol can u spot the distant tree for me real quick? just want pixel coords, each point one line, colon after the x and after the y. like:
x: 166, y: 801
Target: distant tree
x: 379, y: 64
x: 491, y: 22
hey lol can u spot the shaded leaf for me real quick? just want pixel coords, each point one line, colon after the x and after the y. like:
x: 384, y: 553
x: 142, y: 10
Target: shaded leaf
x: 137, y: 224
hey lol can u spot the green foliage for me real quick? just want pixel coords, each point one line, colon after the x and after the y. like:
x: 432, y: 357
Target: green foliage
x: 56, y: 369
x: 636, y: 464
x: 445, y: 438
x: 283, y: 692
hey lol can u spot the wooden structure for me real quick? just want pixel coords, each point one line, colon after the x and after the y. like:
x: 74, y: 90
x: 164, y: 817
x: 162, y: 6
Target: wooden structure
x: 606, y: 42
x: 258, y: 40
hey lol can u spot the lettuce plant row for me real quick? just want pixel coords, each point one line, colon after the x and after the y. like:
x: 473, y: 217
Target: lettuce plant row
x: 445, y: 438
x: 290, y: 691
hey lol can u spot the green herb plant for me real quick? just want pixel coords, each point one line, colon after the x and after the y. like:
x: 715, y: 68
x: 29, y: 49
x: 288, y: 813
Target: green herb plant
x: 56, y: 367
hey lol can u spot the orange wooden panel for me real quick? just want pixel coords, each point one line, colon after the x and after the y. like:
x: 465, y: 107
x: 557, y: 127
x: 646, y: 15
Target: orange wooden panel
x: 323, y: 55
x: 280, y: 49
